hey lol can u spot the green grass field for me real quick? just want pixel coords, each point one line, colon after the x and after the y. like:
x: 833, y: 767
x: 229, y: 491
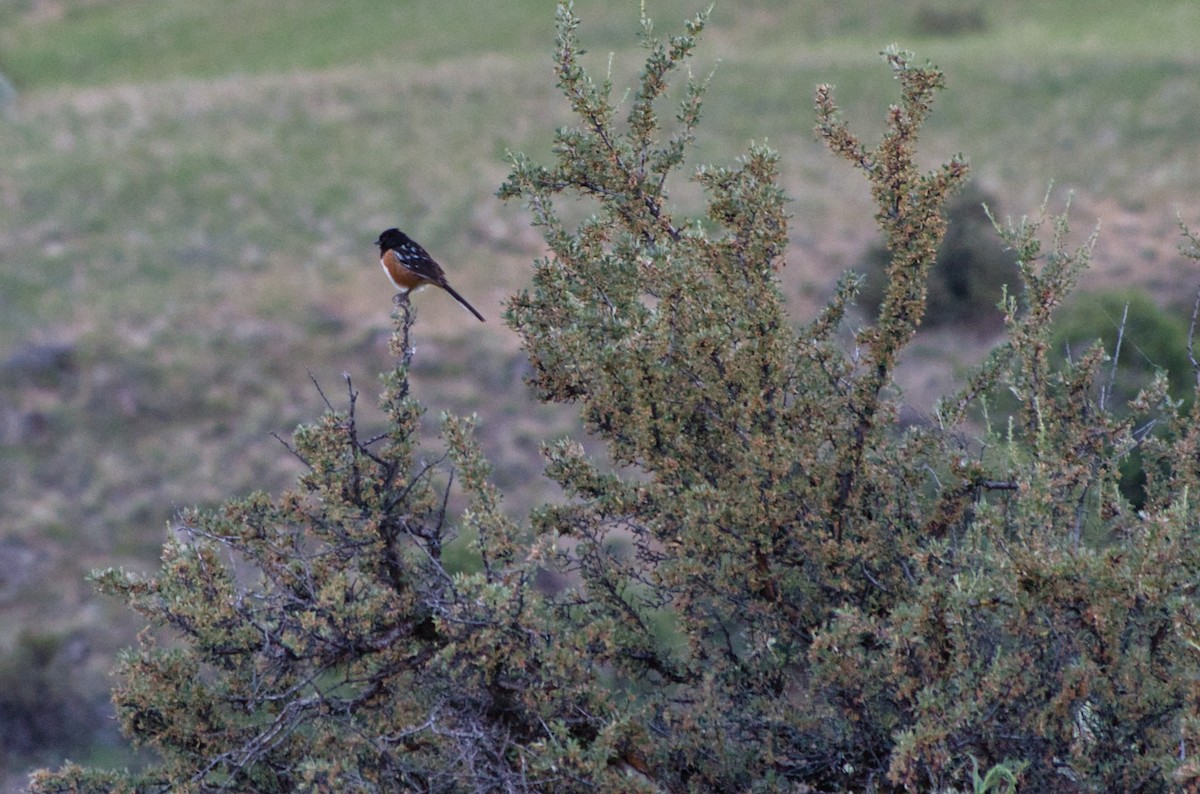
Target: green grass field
x: 190, y: 192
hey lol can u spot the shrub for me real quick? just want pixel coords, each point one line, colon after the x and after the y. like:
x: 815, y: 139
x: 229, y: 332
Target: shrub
x: 971, y: 271
x: 1141, y: 339
x: 816, y: 598
x: 325, y: 644
x: 950, y: 18
x: 39, y: 707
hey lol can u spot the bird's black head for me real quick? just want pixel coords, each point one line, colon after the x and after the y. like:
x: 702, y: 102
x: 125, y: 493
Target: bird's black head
x: 391, y: 238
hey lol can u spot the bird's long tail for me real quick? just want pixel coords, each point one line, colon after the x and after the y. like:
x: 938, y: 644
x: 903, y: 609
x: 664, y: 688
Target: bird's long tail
x: 463, y: 301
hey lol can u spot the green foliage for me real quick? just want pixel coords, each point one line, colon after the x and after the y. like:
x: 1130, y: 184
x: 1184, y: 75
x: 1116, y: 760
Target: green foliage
x: 971, y: 270
x: 863, y: 608
x: 1001, y: 778
x: 1141, y: 338
x: 1142, y: 342
x: 772, y: 586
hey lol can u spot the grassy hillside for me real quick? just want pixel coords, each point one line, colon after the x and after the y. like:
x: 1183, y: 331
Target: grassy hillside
x: 190, y: 192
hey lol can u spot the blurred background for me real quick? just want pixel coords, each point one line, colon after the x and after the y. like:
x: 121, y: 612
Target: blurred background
x: 189, y: 193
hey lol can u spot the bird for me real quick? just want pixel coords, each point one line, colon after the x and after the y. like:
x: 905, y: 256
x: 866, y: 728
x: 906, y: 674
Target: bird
x: 410, y: 267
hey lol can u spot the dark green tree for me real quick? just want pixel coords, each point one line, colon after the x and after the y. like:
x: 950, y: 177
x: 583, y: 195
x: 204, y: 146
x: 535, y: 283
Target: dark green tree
x: 772, y: 586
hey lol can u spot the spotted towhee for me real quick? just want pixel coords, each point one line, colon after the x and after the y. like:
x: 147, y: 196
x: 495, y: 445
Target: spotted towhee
x: 410, y: 267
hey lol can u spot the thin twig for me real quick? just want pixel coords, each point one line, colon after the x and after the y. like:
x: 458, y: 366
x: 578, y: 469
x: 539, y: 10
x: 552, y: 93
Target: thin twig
x: 291, y: 449
x: 1192, y: 336
x: 320, y: 391
x: 407, y: 316
x: 1106, y: 391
